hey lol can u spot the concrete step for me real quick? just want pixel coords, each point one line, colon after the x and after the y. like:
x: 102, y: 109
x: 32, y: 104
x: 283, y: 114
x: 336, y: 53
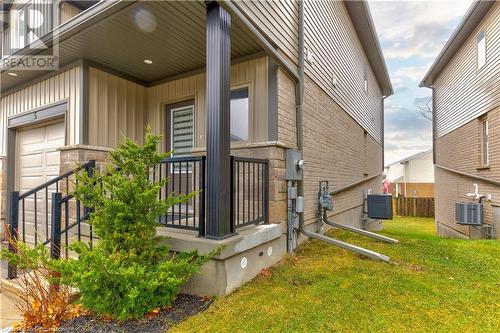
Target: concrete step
x: 12, y: 287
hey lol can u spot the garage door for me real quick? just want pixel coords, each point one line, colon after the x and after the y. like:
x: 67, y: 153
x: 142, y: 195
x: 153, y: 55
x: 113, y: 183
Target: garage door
x: 38, y: 161
x: 38, y: 155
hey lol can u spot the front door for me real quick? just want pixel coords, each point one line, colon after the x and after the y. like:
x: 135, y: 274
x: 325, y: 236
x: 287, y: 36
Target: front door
x: 180, y: 136
x: 180, y: 128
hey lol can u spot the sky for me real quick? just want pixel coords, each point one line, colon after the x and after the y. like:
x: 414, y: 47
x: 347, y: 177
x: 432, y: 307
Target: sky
x: 412, y: 33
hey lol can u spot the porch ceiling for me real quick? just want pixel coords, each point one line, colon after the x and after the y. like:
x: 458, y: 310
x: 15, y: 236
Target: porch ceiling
x: 170, y: 33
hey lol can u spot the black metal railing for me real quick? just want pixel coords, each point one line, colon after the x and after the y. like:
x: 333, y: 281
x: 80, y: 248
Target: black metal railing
x: 185, y: 175
x: 38, y: 215
x: 250, y: 191
x: 50, y: 214
x: 249, y: 183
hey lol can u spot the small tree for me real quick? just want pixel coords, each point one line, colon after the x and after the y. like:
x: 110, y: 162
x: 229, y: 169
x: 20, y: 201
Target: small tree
x: 129, y: 272
x: 425, y: 109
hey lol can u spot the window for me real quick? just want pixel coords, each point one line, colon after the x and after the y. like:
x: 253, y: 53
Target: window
x: 481, y: 50
x: 182, y: 130
x: 485, y: 148
x: 365, y: 77
x: 22, y: 24
x: 239, y: 114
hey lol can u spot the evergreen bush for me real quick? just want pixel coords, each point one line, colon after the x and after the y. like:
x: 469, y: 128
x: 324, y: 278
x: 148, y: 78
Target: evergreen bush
x: 129, y: 272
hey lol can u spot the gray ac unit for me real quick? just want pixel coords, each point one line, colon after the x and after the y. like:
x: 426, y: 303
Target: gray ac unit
x: 469, y: 213
x: 379, y: 206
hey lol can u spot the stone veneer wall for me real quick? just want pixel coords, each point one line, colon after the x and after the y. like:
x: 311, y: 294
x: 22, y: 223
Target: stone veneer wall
x: 71, y: 156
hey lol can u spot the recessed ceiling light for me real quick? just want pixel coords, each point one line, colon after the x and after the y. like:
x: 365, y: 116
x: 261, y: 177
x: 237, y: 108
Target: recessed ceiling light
x: 12, y: 74
x: 147, y: 61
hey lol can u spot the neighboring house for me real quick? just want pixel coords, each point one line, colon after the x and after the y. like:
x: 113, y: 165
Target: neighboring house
x: 293, y: 76
x: 412, y: 176
x: 465, y: 81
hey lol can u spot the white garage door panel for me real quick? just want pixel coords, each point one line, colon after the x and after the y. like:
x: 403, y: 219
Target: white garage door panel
x: 38, y: 161
x: 31, y: 161
x: 38, y: 154
x: 52, y: 159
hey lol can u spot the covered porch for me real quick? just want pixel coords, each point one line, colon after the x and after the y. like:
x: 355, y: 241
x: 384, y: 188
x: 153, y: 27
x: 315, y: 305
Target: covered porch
x: 203, y: 81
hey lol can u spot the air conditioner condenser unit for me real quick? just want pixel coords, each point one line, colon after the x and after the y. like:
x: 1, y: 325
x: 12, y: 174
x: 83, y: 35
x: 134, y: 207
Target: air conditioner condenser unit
x: 469, y: 213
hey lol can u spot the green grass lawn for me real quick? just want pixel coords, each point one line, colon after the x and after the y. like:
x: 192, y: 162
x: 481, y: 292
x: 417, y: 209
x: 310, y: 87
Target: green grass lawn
x: 432, y: 284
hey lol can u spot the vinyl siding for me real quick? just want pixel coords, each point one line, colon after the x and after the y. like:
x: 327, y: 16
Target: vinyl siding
x: 338, y: 53
x: 62, y: 86
x: 116, y: 109
x: 462, y: 92
x: 278, y: 20
x: 251, y: 73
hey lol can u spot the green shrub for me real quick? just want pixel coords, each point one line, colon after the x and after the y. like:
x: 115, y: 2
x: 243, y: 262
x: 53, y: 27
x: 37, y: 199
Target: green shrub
x: 129, y: 272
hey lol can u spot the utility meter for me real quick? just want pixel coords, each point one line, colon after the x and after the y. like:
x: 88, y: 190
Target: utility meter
x: 294, y: 165
x: 325, y: 199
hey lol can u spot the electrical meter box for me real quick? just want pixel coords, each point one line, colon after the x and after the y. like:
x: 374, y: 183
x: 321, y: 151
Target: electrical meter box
x: 293, y: 169
x: 379, y: 206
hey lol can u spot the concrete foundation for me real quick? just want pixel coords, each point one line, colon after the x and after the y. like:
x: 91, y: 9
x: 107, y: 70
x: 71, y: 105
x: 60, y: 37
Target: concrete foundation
x: 475, y: 232
x: 242, y: 257
x: 445, y: 231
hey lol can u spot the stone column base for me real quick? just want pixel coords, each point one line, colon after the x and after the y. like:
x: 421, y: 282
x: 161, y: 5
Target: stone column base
x: 73, y: 155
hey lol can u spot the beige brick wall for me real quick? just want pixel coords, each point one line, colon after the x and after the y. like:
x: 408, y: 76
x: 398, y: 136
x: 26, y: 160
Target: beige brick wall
x: 287, y: 133
x: 460, y: 150
x: 336, y: 147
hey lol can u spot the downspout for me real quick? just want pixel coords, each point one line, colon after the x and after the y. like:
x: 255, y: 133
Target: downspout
x: 299, y: 99
x: 433, y: 100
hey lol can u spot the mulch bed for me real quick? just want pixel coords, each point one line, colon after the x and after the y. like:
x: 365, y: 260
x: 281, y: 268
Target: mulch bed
x: 183, y: 306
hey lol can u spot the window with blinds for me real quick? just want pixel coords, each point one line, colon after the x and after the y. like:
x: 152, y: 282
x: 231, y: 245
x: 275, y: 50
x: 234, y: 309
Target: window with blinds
x: 182, y: 131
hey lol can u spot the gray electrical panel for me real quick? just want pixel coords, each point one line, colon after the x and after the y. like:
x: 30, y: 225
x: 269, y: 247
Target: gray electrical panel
x: 379, y: 206
x: 469, y: 213
x: 293, y: 165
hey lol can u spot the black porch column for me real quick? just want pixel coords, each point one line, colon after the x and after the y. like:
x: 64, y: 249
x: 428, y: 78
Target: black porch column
x: 218, y: 124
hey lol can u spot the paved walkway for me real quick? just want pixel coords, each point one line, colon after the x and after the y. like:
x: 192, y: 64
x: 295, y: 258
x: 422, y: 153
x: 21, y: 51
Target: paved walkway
x: 8, y: 312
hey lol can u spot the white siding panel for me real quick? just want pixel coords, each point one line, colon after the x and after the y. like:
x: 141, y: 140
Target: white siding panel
x: 62, y: 86
x: 463, y: 93
x: 338, y: 53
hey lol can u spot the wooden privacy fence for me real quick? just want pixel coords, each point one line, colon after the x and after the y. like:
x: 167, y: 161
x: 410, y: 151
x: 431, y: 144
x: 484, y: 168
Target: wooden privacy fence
x: 422, y: 207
